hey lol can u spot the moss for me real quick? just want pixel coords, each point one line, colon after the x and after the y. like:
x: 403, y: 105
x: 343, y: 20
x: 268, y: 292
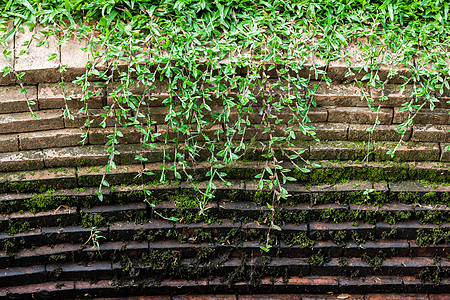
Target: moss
x: 319, y: 259
x: 375, y: 261
x: 89, y: 220
x: 432, y: 237
x: 30, y: 186
x: 15, y: 227
x: 300, y: 239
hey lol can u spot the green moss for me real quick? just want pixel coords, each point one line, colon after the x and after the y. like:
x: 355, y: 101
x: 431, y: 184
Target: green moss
x: 432, y: 237
x: 14, y: 227
x: 89, y: 220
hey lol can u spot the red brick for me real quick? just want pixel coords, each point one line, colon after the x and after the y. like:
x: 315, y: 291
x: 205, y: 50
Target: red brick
x: 91, y: 176
x: 439, y: 296
x: 270, y: 297
x: 347, y: 95
x: 208, y: 131
x: 60, y: 289
x: 359, y: 115
x: 32, y: 181
x: 99, y: 136
x: 352, y: 56
x: 431, y: 133
x: 75, y: 156
x: 389, y: 61
x: 94, y: 118
x: 409, y: 151
x: 334, y: 297
x: 50, y: 139
x: 358, y: 132
x: 24, y: 122
x: 51, y: 96
x: 35, y: 61
x: 9, y: 60
x: 154, y: 97
x: 326, y: 131
x: 206, y: 297
x: 339, y: 150
x: 438, y: 116
x: 396, y: 296
x: 13, y: 101
x: 395, y: 96
x: 318, y: 114
x: 75, y: 58
x: 21, y: 161
x: 9, y: 142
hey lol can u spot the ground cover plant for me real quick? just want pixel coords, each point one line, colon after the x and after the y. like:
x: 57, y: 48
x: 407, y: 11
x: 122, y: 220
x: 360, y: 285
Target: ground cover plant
x: 241, y: 64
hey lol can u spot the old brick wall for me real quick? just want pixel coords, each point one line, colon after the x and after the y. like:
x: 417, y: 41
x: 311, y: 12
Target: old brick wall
x: 379, y: 226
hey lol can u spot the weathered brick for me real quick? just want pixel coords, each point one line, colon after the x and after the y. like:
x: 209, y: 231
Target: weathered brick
x: 358, y: 132
x: 55, y: 290
x: 9, y: 60
x: 372, y: 249
x: 21, y: 161
x: 75, y: 156
x: 51, y: 96
x: 431, y: 133
x: 69, y: 234
x: 97, y: 288
x: 334, y: 297
x: 359, y: 115
x: 380, y: 284
x: 395, y: 96
x: 37, y: 180
x: 68, y: 215
x: 353, y: 60
x: 396, y: 296
x: 34, y: 62
x: 152, y: 96
x: 389, y: 65
x: 99, y: 136
x: 310, y: 284
x: 95, y: 119
x: 208, y: 131
x: 92, y: 176
x: 327, y: 131
x: 338, y: 151
x: 409, y: 151
x: 50, y: 139
x: 347, y: 95
x: 46, y: 254
x: 75, y: 58
x: 24, y: 122
x: 270, y: 296
x: 13, y: 101
x: 318, y: 228
x: 128, y: 153
x: 438, y: 116
x: 76, y: 271
x: 9, y: 142
x: 22, y: 276
x: 211, y: 297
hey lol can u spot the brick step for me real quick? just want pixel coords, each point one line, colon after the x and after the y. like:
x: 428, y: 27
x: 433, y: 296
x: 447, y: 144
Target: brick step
x: 160, y: 266
x: 95, y: 155
x: 24, y: 122
x: 397, y: 178
x: 302, y: 240
x: 71, y: 137
x: 66, y: 216
x: 134, y: 248
x: 294, y: 288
